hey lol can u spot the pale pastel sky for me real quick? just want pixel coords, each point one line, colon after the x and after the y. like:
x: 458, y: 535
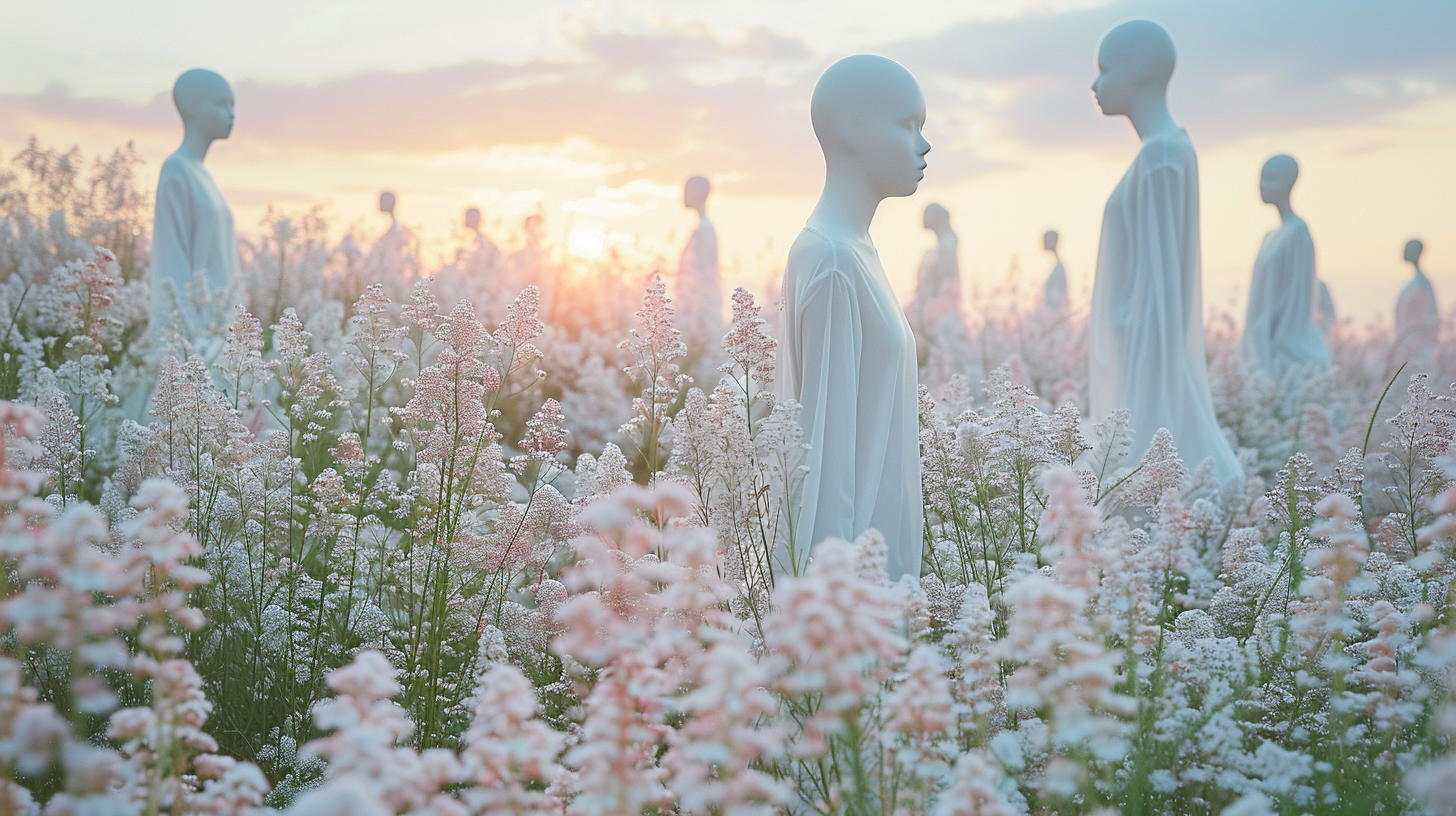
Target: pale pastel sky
x: 593, y: 112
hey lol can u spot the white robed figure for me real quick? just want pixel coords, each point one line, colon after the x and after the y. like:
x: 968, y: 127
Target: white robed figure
x: 850, y: 352
x: 699, y: 291
x: 1281, y: 331
x: 1054, y: 294
x: 1146, y: 324
x: 192, y: 235
x: 1417, y: 319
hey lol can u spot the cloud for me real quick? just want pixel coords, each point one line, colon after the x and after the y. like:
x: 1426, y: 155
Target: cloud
x: 667, y: 104
x: 670, y: 102
x: 1245, y: 66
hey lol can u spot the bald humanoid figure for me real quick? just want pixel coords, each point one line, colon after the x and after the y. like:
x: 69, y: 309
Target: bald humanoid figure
x: 192, y: 236
x: 1417, y: 320
x: 1146, y: 325
x: 938, y: 284
x: 1281, y: 332
x: 699, y: 292
x: 486, y: 254
x: 391, y: 260
x: 849, y: 350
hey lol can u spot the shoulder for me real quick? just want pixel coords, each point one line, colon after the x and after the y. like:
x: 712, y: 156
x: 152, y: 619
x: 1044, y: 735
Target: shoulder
x: 815, y: 261
x: 176, y: 173
x: 1171, y: 153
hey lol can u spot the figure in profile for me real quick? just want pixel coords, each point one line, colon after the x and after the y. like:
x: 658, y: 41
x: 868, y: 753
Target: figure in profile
x: 941, y: 339
x: 392, y: 260
x: 850, y: 351
x: 529, y: 264
x: 938, y: 284
x: 1280, y: 329
x: 1146, y: 324
x: 193, y: 245
x: 1325, y: 309
x: 485, y: 254
x: 1417, y: 320
x: 1054, y: 294
x: 699, y: 293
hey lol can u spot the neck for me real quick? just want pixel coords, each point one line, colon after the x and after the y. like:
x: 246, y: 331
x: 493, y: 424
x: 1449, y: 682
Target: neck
x: 1286, y: 212
x: 1150, y: 117
x: 945, y: 236
x: 846, y: 207
x: 194, y: 145
x: 702, y: 214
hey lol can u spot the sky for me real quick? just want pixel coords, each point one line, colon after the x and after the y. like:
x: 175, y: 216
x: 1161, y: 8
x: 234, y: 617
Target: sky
x: 593, y: 112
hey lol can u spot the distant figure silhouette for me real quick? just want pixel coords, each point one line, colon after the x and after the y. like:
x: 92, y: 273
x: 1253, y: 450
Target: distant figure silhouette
x: 1325, y: 309
x: 1146, y: 325
x: 1054, y: 296
x: 529, y: 265
x: 1280, y: 332
x: 1417, y: 320
x: 486, y: 254
x: 938, y: 284
x: 699, y: 292
x: 392, y: 260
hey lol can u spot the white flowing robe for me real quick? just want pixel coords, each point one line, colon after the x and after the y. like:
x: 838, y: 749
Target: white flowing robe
x: 851, y: 365
x: 1146, y: 325
x: 1054, y: 296
x: 1280, y: 331
x: 192, y: 234
x: 699, y: 293
x: 1417, y: 320
x: 1326, y: 311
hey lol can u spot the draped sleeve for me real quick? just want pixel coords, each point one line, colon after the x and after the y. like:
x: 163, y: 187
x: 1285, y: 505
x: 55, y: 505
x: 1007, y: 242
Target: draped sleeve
x: 830, y: 342
x: 171, y: 238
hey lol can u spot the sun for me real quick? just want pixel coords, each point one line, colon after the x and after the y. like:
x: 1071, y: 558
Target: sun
x: 587, y: 242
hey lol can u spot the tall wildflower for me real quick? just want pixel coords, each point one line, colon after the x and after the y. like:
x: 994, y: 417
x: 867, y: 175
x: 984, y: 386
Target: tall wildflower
x: 656, y: 347
x: 834, y: 638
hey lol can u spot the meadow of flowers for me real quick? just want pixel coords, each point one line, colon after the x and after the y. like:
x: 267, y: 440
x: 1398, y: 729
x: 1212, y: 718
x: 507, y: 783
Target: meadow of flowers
x: 405, y: 546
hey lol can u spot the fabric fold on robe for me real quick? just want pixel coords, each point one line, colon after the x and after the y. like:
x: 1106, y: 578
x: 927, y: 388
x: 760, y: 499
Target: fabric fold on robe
x: 192, y: 235
x: 1146, y: 325
x: 851, y: 365
x: 1280, y: 328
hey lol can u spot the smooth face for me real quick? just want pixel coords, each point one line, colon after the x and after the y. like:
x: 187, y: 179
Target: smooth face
x: 1049, y: 241
x: 1277, y: 178
x: 205, y: 101
x: 219, y: 114
x: 1274, y: 187
x: 1134, y: 60
x: 891, y: 147
x: 472, y: 218
x: 1113, y: 87
x: 936, y: 217
x: 386, y: 202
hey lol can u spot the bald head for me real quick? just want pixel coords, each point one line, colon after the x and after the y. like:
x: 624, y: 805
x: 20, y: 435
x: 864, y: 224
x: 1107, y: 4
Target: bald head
x: 867, y: 112
x: 1277, y: 179
x: 1413, y: 250
x: 1141, y: 47
x: 858, y: 89
x: 936, y: 217
x: 695, y: 192
x: 205, y: 101
x: 1134, y: 62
